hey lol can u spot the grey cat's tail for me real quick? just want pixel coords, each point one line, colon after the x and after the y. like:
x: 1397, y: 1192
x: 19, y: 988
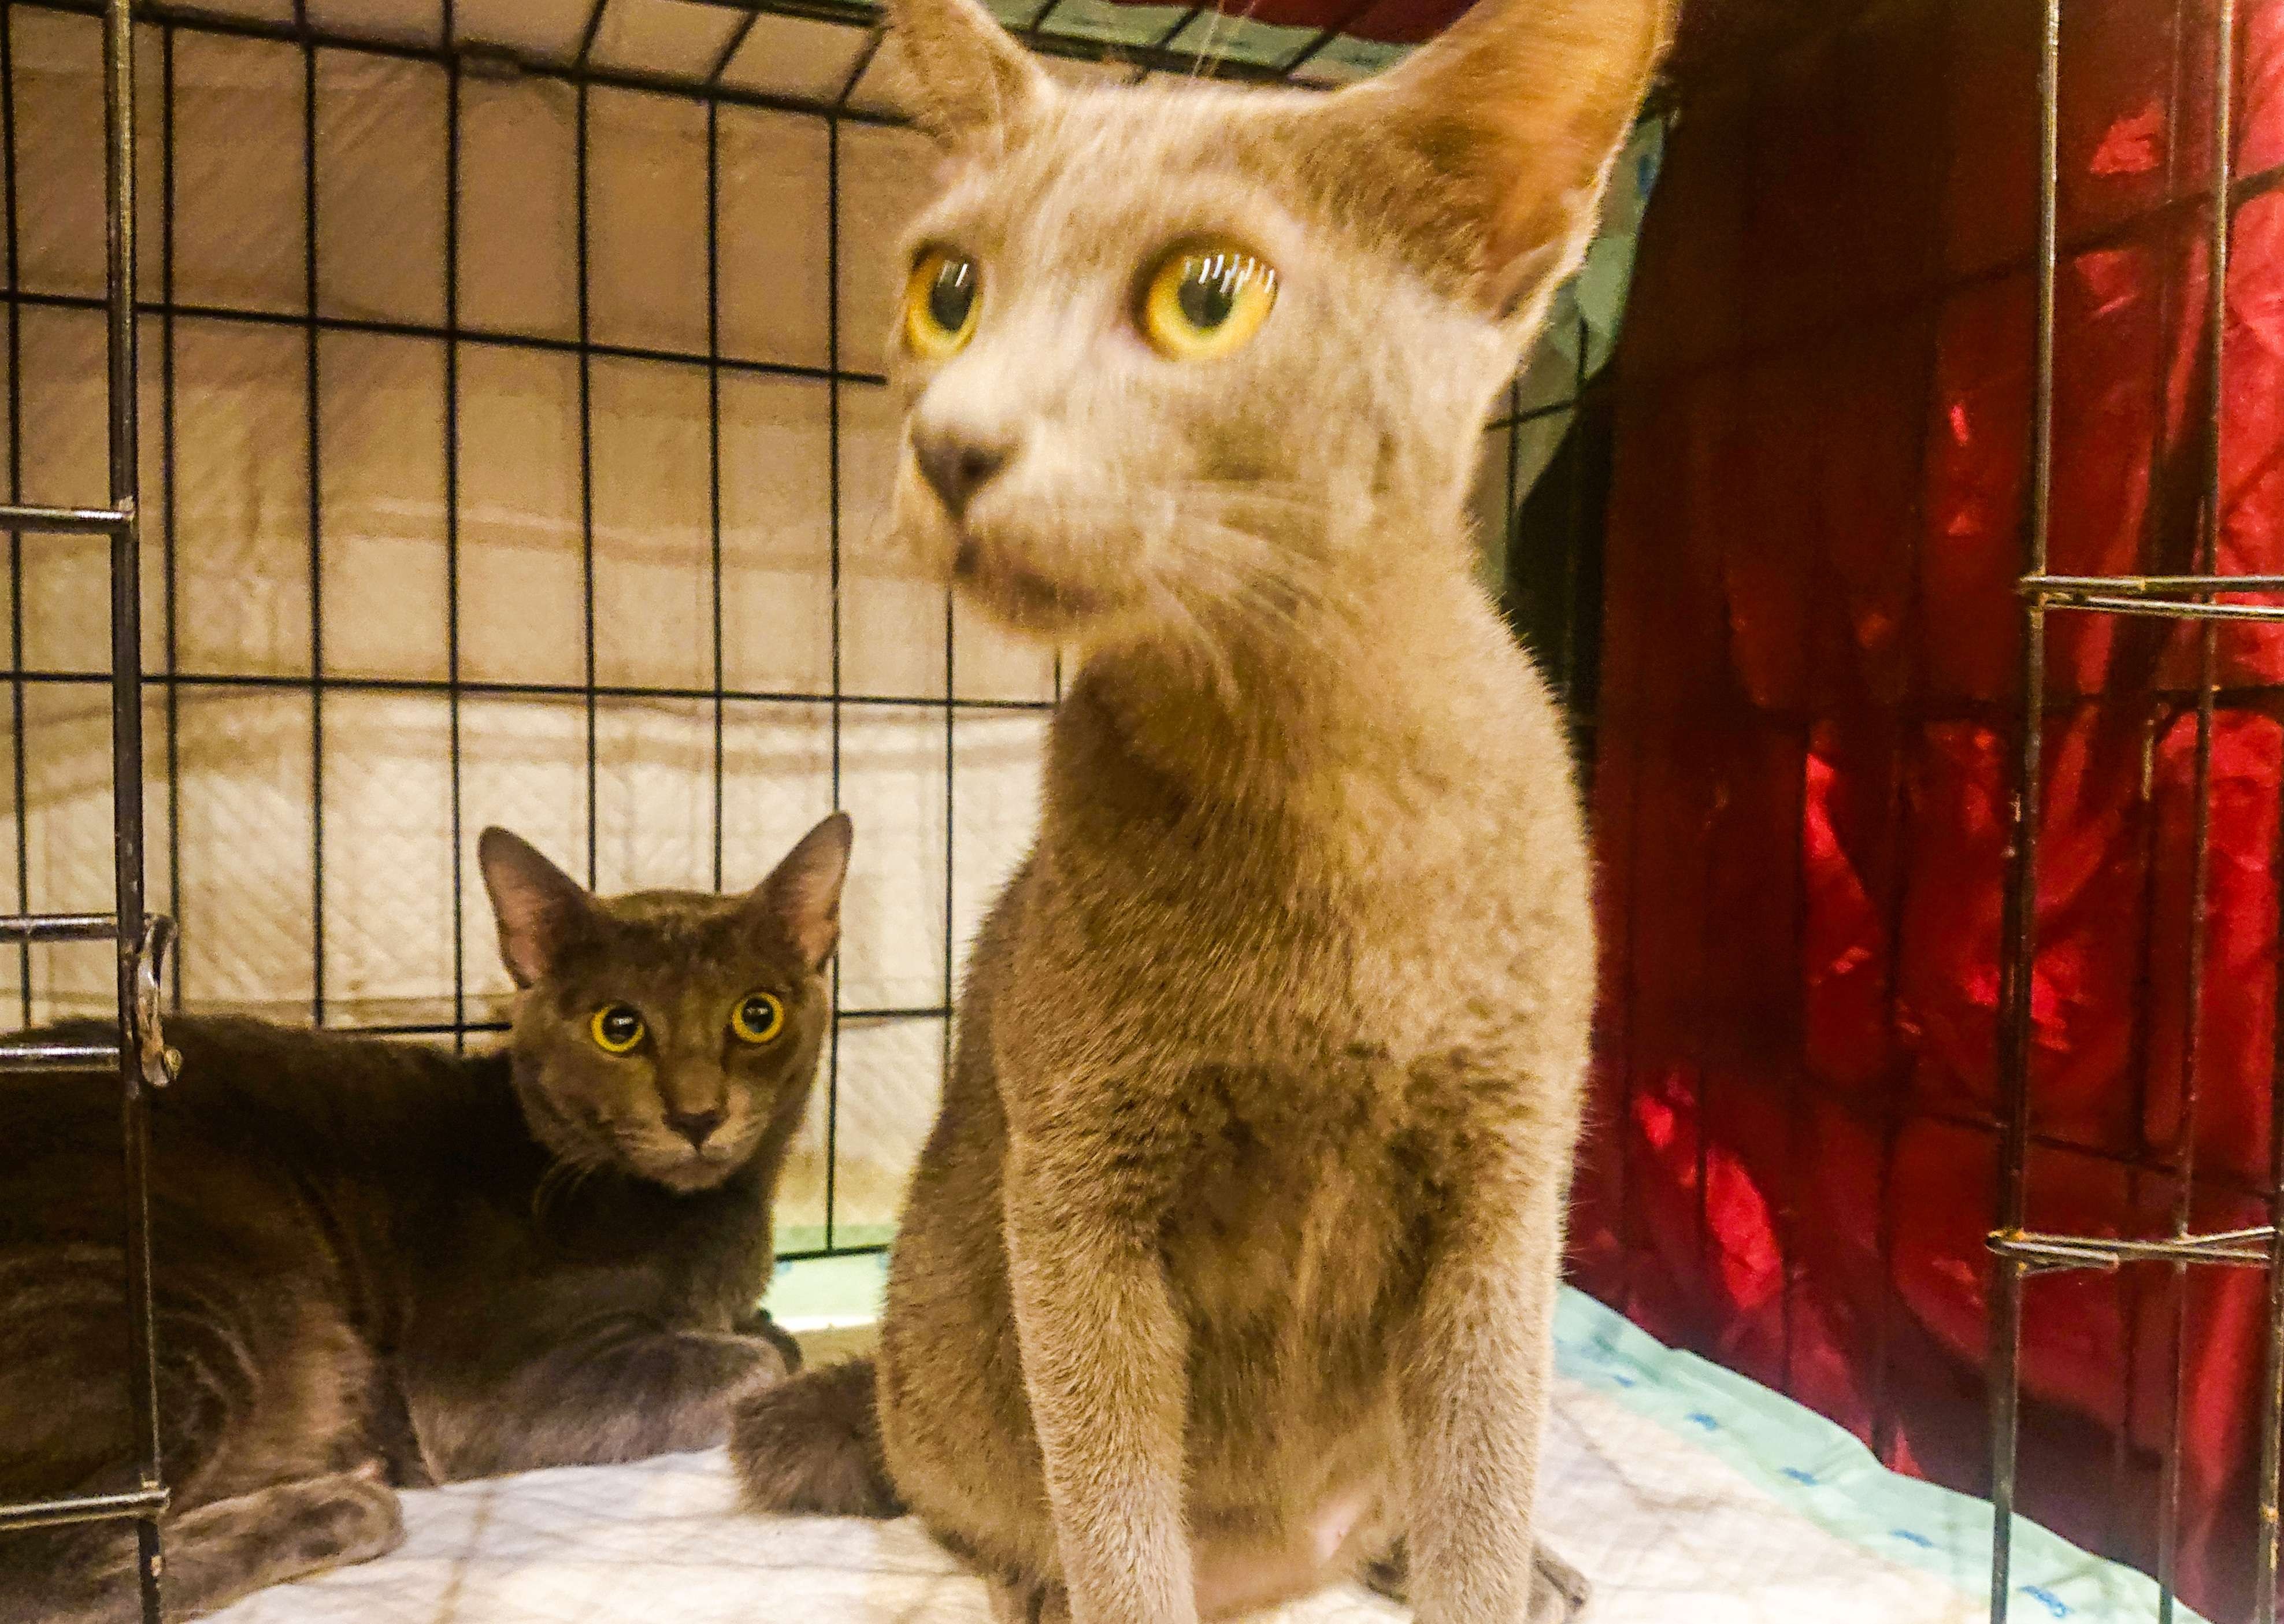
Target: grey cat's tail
x: 811, y: 1445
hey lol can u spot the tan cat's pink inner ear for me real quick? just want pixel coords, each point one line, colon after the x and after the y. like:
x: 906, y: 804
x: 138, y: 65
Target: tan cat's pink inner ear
x: 802, y: 897
x: 1517, y: 110
x: 538, y: 907
x: 970, y: 82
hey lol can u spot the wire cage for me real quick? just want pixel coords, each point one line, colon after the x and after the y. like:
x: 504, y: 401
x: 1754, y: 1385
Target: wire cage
x: 367, y: 637
x: 500, y: 379
x: 2206, y: 598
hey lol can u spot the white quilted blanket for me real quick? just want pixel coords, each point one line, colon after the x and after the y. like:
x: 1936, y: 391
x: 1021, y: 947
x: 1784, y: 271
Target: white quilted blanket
x: 1686, y: 1494
x: 1668, y: 1535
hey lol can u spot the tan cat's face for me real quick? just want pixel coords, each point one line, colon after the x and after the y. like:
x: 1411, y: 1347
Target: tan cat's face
x: 1167, y: 353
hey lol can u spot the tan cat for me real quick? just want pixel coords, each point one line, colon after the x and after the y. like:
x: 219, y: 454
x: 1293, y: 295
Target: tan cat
x: 1228, y: 1269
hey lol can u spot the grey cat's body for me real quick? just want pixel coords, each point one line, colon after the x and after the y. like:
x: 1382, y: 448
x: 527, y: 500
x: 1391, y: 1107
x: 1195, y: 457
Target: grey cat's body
x: 380, y: 1265
x: 1230, y: 1267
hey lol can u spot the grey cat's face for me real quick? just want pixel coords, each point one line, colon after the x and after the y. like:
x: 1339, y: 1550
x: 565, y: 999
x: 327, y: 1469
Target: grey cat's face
x: 669, y: 1035
x: 1172, y: 355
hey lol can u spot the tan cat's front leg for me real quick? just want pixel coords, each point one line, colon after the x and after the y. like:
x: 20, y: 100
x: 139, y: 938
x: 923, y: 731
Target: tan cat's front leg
x: 1103, y: 1367
x: 1475, y: 1400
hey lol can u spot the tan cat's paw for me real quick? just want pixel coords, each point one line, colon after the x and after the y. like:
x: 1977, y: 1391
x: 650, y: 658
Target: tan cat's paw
x: 1560, y: 1594
x: 1029, y: 1602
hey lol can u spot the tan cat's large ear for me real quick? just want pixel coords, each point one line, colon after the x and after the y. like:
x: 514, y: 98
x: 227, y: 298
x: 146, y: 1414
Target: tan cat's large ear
x: 971, y: 81
x: 801, y: 896
x: 537, y: 905
x: 1511, y: 118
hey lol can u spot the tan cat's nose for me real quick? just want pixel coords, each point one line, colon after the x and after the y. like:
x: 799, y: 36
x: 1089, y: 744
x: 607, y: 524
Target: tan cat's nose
x: 695, y: 1126
x: 957, y: 466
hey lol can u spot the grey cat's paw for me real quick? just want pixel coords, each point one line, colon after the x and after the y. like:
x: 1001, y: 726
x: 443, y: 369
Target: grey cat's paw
x: 350, y: 1516
x: 758, y: 1324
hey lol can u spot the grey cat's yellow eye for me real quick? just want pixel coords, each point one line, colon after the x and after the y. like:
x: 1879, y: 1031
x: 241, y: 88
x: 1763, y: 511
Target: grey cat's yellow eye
x: 616, y: 1028
x: 1205, y: 298
x: 940, y: 304
x: 758, y: 1018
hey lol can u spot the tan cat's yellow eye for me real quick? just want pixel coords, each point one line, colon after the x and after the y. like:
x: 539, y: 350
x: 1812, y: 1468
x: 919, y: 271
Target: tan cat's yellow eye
x: 940, y: 304
x: 1205, y: 298
x: 616, y: 1028
x: 757, y: 1019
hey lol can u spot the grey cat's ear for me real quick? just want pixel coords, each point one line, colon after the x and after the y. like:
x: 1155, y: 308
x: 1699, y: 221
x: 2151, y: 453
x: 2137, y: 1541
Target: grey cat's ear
x: 970, y: 81
x: 802, y: 897
x: 1511, y: 120
x: 537, y: 905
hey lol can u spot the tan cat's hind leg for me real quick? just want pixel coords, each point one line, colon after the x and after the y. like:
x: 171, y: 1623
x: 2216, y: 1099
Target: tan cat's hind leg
x: 1560, y: 1594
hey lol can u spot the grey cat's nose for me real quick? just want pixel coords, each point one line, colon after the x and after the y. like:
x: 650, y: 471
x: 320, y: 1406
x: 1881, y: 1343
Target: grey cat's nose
x: 695, y: 1126
x: 955, y: 466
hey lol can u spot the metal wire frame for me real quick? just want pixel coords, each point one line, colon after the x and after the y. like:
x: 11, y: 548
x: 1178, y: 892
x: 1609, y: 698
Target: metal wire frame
x: 137, y: 1057
x: 2200, y: 598
x: 454, y: 687
x: 1155, y: 56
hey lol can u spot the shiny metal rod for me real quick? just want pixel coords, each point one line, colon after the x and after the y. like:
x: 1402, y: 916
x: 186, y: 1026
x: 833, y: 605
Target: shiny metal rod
x: 2018, y: 943
x: 127, y: 777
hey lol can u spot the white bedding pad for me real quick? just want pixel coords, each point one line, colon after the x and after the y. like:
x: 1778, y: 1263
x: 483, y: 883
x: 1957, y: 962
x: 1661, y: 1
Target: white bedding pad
x: 1687, y: 1494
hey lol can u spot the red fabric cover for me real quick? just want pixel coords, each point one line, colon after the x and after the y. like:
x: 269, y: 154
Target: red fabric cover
x: 1810, y: 662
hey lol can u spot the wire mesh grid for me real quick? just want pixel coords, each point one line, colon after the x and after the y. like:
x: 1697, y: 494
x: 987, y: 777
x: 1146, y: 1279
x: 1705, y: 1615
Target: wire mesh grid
x: 304, y: 335
x: 2206, y: 599
x: 322, y: 689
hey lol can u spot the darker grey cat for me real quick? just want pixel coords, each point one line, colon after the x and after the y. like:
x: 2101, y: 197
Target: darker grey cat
x: 381, y: 1265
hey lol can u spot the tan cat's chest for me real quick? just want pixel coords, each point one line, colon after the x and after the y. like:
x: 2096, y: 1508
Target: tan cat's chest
x: 1327, y: 993
x: 1292, y: 1253
x: 1398, y: 910
x: 1294, y: 1197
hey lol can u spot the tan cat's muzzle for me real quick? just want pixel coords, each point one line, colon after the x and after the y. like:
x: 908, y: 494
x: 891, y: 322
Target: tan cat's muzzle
x: 1030, y: 579
x: 1024, y: 599
x: 985, y: 490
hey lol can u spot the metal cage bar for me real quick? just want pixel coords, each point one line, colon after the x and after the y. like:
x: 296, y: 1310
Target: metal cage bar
x: 2018, y: 942
x: 137, y: 1055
